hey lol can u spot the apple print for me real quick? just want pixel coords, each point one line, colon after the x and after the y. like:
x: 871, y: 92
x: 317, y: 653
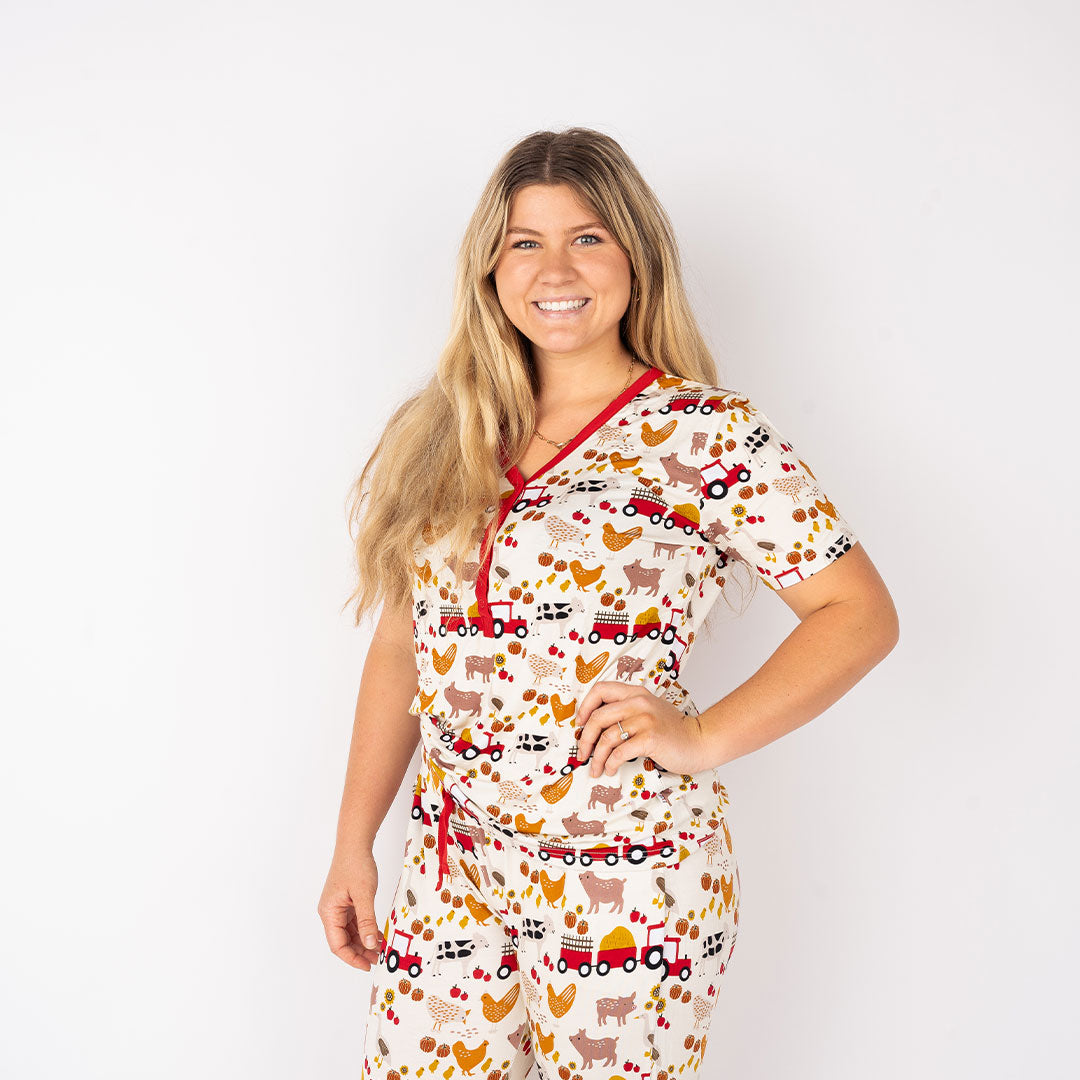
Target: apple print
x: 455, y: 990
x: 553, y: 650
x: 503, y: 673
x: 577, y: 515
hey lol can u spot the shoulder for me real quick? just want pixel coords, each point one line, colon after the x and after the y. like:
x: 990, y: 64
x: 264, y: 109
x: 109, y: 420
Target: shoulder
x: 683, y: 406
x: 695, y: 396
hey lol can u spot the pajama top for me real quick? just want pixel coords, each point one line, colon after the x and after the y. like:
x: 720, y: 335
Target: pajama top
x: 605, y: 564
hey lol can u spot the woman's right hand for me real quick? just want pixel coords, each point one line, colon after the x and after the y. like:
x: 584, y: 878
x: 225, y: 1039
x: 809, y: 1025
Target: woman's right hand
x: 347, y: 909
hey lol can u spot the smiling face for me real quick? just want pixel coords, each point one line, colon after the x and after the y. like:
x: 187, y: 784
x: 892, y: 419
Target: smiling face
x: 556, y: 250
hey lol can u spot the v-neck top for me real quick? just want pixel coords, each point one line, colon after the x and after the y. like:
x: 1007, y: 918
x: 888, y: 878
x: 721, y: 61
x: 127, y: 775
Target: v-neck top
x: 605, y: 564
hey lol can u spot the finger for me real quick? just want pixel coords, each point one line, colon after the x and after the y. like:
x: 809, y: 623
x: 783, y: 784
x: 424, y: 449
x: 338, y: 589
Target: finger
x: 340, y: 939
x: 608, y: 756
x: 597, y: 695
x: 343, y: 935
x: 367, y: 931
x: 611, y: 737
x: 603, y: 717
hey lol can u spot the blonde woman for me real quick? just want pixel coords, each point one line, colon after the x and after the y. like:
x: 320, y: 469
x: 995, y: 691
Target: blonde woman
x: 547, y: 526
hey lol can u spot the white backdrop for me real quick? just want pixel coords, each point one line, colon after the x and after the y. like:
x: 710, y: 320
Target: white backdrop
x: 227, y: 232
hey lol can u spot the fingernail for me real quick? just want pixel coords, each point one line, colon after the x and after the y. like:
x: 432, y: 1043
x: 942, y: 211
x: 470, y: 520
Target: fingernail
x: 369, y: 941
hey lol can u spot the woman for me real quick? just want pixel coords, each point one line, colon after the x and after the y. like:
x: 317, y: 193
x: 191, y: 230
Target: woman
x: 549, y: 523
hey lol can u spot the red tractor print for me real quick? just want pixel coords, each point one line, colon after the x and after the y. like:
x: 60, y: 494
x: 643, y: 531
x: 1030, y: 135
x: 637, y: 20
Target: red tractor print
x: 538, y: 498
x: 686, y: 517
x: 401, y: 957
x: 509, y: 962
x: 452, y: 619
x: 689, y: 401
x: 497, y: 625
x: 465, y: 836
x: 631, y: 851
x: 674, y: 964
x: 418, y: 810
x: 461, y: 743
x: 619, y: 949
x: 615, y: 626
x: 610, y: 626
x: 717, y: 479
x: 644, y: 501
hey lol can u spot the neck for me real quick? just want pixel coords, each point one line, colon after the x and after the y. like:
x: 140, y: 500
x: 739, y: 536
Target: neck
x: 566, y: 384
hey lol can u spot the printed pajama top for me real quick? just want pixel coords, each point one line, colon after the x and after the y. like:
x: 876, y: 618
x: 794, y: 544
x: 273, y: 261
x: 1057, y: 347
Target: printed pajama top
x: 605, y: 563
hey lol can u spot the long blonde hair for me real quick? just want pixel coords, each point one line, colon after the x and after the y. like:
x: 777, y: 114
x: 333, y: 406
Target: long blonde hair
x: 435, y: 472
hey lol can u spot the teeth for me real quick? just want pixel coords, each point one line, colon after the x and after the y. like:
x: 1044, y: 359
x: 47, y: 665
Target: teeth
x: 560, y: 305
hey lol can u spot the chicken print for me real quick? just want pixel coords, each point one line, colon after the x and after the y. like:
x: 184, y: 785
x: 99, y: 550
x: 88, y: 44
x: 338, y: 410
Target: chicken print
x: 526, y: 883
x: 604, y: 565
x: 561, y: 531
x: 507, y: 962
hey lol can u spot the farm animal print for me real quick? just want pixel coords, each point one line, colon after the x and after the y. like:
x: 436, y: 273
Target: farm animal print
x: 605, y: 564
x: 598, y: 963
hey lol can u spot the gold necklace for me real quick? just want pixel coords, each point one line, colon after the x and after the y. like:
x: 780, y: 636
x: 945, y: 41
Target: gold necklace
x: 560, y: 445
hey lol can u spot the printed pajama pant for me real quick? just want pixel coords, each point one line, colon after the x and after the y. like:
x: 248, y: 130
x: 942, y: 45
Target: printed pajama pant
x: 505, y: 952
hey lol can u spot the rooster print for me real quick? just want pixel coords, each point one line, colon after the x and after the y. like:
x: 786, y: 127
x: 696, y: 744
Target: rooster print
x: 604, y: 564
x: 568, y: 958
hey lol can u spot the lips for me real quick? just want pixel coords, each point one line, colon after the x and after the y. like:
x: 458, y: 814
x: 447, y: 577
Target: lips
x: 563, y: 313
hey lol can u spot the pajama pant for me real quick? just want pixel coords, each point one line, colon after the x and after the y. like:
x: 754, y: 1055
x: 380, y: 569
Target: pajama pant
x: 502, y: 950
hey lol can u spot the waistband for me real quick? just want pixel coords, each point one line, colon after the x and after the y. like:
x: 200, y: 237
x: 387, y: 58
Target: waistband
x: 581, y: 851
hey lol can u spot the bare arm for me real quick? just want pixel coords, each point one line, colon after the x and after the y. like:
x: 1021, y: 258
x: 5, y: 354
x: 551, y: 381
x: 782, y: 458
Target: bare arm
x: 385, y: 733
x: 847, y: 625
x: 384, y: 737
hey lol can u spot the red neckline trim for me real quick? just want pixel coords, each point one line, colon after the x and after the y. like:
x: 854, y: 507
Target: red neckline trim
x: 513, y: 474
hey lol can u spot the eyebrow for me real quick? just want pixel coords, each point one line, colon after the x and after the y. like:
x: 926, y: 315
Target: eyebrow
x: 575, y: 228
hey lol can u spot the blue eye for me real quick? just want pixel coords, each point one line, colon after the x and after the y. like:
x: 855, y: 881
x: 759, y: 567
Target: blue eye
x: 584, y: 236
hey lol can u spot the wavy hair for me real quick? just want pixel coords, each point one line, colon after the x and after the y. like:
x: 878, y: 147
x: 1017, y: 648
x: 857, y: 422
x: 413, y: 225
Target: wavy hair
x: 444, y: 446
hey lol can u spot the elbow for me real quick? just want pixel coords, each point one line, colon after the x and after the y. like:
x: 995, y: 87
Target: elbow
x: 886, y: 630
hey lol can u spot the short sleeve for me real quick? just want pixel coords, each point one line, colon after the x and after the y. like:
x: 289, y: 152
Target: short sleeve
x: 762, y: 503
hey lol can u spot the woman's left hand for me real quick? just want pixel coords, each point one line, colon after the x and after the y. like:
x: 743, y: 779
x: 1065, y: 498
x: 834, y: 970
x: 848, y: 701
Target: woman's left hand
x: 657, y: 729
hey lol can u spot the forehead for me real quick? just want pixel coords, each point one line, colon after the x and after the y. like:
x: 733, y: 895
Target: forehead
x: 550, y: 206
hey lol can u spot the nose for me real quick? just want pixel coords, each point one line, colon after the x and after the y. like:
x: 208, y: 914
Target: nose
x: 556, y: 267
